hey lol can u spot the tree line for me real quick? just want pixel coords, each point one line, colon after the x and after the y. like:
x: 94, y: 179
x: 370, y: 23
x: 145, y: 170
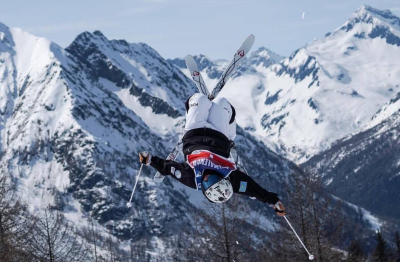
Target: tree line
x: 47, y: 236
x: 42, y: 235
x: 228, y: 232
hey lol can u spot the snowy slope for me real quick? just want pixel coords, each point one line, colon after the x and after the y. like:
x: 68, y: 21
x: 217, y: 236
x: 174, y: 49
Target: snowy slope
x: 324, y: 91
x: 364, y: 169
x: 212, y: 70
x: 344, y: 81
x: 151, y: 87
x: 73, y: 121
x: 270, y: 170
x: 69, y: 141
x: 263, y: 57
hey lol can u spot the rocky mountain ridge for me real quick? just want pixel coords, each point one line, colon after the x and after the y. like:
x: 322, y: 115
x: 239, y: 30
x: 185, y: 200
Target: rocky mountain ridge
x: 330, y: 88
x: 73, y: 121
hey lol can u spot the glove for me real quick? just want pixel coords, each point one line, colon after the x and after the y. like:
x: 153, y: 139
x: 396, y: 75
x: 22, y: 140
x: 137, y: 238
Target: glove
x: 279, y: 209
x: 145, y: 158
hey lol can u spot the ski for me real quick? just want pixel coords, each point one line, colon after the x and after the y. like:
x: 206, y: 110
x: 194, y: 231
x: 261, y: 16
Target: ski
x: 196, y: 75
x: 237, y: 58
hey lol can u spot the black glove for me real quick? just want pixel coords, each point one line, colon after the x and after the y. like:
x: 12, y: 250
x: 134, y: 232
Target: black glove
x: 279, y: 209
x: 145, y: 158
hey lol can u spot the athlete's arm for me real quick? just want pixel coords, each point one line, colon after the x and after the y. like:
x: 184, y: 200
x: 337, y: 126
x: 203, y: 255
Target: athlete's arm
x: 245, y: 185
x: 179, y: 171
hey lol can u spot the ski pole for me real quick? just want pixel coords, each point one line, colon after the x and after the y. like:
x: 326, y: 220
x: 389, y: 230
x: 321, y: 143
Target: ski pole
x: 133, y: 191
x: 311, y: 257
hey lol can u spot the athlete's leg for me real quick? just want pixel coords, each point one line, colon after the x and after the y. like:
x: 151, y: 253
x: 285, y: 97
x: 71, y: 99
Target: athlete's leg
x: 222, y: 117
x: 197, y: 111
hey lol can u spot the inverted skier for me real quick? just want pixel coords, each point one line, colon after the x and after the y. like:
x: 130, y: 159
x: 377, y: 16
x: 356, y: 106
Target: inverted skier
x: 209, y: 131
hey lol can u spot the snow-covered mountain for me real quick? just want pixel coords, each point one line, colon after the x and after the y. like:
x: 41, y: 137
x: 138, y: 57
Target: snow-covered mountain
x: 212, y: 70
x: 364, y: 169
x: 333, y: 86
x: 73, y: 121
x: 70, y: 142
x: 324, y: 91
x: 263, y: 57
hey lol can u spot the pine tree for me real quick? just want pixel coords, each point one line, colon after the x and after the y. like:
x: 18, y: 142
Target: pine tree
x: 381, y: 252
x: 355, y: 252
x: 397, y: 242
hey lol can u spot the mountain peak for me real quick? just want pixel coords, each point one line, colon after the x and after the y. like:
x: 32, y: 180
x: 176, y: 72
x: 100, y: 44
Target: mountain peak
x: 367, y: 14
x: 265, y: 56
x: 4, y: 33
x: 3, y: 26
x: 86, y: 37
x: 98, y: 33
x: 203, y: 61
x: 370, y: 23
x: 263, y: 51
x: 202, y: 57
x: 368, y: 9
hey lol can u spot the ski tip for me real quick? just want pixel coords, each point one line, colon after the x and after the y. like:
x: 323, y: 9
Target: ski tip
x: 190, y: 63
x: 246, y: 45
x: 250, y: 39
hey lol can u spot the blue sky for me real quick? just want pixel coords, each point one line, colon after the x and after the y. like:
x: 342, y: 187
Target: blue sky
x: 176, y: 28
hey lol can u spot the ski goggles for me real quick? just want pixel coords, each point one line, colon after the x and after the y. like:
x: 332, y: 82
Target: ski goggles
x: 209, y: 180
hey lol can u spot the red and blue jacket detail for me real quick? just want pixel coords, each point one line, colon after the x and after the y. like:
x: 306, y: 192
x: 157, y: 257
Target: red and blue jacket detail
x: 201, y: 160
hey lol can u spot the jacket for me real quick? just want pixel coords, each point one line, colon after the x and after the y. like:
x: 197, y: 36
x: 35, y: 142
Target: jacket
x: 241, y: 182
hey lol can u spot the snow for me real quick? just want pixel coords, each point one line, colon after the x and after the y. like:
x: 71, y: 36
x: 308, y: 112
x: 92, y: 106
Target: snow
x: 37, y: 104
x: 375, y: 223
x: 355, y: 79
x: 328, y: 181
x: 351, y: 86
x: 159, y: 123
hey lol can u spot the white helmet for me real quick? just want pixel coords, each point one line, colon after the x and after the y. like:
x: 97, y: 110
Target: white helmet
x: 216, y: 188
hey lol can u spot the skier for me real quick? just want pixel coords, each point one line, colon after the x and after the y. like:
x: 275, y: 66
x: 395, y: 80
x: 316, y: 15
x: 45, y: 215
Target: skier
x: 209, y: 133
